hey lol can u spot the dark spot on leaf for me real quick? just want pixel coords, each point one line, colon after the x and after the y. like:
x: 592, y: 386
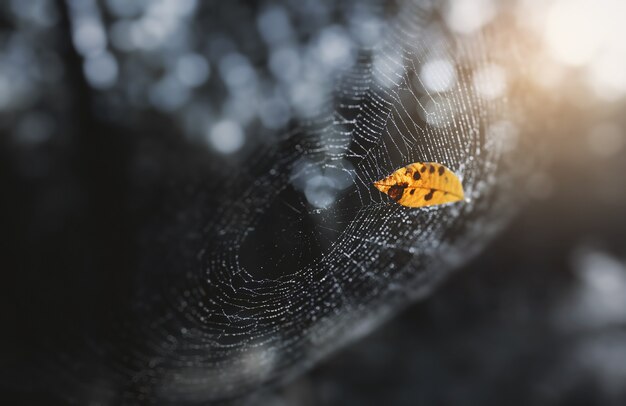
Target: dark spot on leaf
x: 429, y: 195
x: 396, y: 192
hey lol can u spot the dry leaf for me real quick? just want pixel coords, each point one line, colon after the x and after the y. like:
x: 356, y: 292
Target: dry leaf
x: 422, y: 184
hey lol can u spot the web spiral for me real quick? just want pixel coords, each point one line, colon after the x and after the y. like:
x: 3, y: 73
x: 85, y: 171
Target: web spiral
x: 309, y: 255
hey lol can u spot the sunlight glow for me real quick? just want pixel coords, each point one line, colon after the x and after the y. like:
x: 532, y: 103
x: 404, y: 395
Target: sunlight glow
x: 590, y: 35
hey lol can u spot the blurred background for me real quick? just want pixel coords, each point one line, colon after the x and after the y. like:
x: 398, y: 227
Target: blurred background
x: 111, y: 111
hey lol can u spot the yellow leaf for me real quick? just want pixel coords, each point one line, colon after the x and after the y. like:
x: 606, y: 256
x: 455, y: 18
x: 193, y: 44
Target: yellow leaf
x: 422, y: 184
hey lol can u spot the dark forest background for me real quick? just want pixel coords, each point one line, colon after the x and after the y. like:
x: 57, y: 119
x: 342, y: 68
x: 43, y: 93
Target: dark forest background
x: 95, y: 147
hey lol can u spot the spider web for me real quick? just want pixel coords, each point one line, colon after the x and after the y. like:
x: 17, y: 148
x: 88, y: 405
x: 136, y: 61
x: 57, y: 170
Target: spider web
x: 309, y: 255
